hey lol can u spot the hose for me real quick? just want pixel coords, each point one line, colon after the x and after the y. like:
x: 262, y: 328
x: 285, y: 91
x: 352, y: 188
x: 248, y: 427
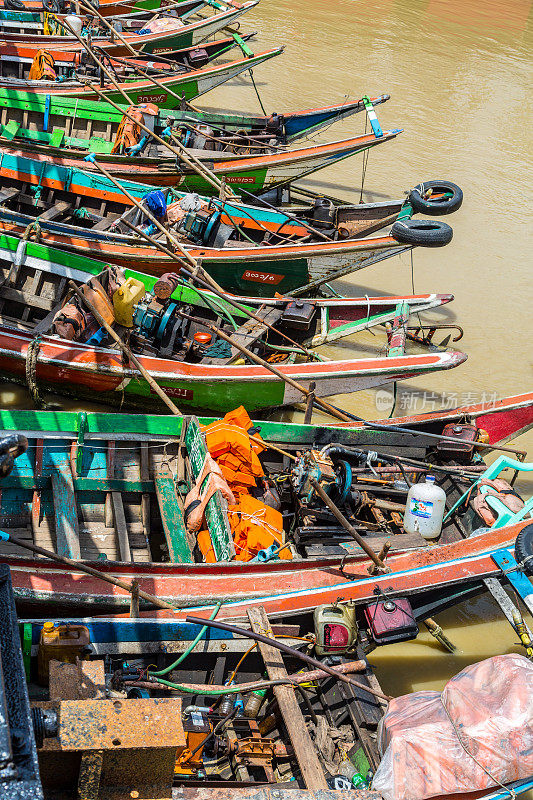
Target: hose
x: 249, y: 634
x: 212, y: 302
x: 190, y: 648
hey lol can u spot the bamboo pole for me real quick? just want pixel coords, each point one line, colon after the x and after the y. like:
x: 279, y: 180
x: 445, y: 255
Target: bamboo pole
x: 275, y: 371
x: 197, y: 266
x: 70, y: 562
x: 134, y: 53
x: 127, y: 350
x: 212, y: 287
x: 148, y: 213
x: 191, y: 161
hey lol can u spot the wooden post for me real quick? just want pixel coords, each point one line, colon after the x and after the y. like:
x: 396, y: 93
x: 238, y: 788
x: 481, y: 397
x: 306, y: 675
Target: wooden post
x: 337, y: 513
x: 309, y: 404
x: 304, y: 749
x: 134, y: 602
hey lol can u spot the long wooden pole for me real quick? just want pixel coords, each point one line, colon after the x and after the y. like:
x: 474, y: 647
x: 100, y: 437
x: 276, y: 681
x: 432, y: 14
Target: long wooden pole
x: 147, y: 212
x: 131, y: 49
x: 191, y: 161
x: 337, y: 513
x: 127, y: 350
x: 275, y: 371
x: 70, y: 562
x: 318, y: 401
x: 212, y: 286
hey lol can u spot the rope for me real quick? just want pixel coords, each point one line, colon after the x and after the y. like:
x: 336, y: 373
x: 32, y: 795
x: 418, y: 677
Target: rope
x: 512, y: 794
x: 32, y: 354
x: 257, y: 93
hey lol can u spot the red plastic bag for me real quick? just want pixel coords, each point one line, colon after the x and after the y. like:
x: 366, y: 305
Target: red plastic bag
x: 491, y: 705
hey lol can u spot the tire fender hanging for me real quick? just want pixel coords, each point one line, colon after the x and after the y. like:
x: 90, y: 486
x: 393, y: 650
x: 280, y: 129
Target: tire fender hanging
x: 436, y: 205
x: 423, y: 232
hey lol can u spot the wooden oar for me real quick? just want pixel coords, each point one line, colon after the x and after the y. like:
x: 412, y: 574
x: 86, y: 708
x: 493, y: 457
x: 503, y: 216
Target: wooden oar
x: 191, y: 161
x: 70, y: 562
x: 212, y: 287
x: 337, y: 513
x: 318, y: 401
x: 127, y: 350
x: 258, y: 360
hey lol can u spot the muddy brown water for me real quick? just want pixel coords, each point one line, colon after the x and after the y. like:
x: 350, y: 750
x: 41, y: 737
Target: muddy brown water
x: 458, y: 73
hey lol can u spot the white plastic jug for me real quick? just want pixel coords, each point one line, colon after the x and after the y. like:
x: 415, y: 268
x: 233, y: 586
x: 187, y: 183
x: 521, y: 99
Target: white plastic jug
x: 425, y: 509
x: 75, y: 22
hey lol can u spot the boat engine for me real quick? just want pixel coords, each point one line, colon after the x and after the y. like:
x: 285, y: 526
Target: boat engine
x: 206, y: 228
x: 323, y: 214
x: 160, y: 325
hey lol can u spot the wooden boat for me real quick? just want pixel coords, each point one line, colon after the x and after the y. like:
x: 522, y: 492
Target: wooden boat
x: 321, y: 570
x: 182, y: 669
x: 113, y: 8
x: 255, y: 165
x: 167, y: 36
x: 211, y: 661
x: 24, y: 20
x: 178, y: 86
x: 247, y: 249
x: 28, y: 120
x: 16, y: 62
x: 199, y: 375
x: 268, y: 169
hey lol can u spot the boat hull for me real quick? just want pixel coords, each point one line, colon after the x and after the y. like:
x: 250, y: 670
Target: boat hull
x: 305, y: 584
x: 188, y: 85
x: 150, y: 43
x: 254, y: 174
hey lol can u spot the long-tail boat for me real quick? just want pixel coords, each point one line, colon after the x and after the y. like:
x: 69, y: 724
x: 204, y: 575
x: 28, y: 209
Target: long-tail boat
x: 105, y: 486
x: 176, y: 85
x: 268, y: 169
x: 23, y: 20
x: 113, y: 8
x: 16, y: 62
x: 161, y: 35
x: 247, y: 249
x: 187, y: 359
x: 33, y: 118
x: 249, y: 709
x: 256, y: 165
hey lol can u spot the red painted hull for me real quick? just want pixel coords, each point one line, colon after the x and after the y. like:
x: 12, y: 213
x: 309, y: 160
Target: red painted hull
x: 305, y: 584
x: 502, y: 419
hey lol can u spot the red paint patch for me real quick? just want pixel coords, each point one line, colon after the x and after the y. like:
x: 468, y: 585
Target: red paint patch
x: 262, y: 277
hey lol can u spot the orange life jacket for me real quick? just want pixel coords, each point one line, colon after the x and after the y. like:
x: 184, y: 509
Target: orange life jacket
x: 129, y: 133
x: 42, y: 67
x: 255, y: 527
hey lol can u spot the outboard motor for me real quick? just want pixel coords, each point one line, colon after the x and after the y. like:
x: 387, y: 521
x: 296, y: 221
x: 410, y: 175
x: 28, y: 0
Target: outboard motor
x: 275, y: 124
x: 323, y: 213
x: 206, y: 228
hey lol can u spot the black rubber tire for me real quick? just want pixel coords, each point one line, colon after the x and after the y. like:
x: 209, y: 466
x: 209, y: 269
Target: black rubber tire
x: 14, y: 5
x: 436, y: 208
x: 524, y: 548
x: 52, y: 6
x: 424, y: 232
